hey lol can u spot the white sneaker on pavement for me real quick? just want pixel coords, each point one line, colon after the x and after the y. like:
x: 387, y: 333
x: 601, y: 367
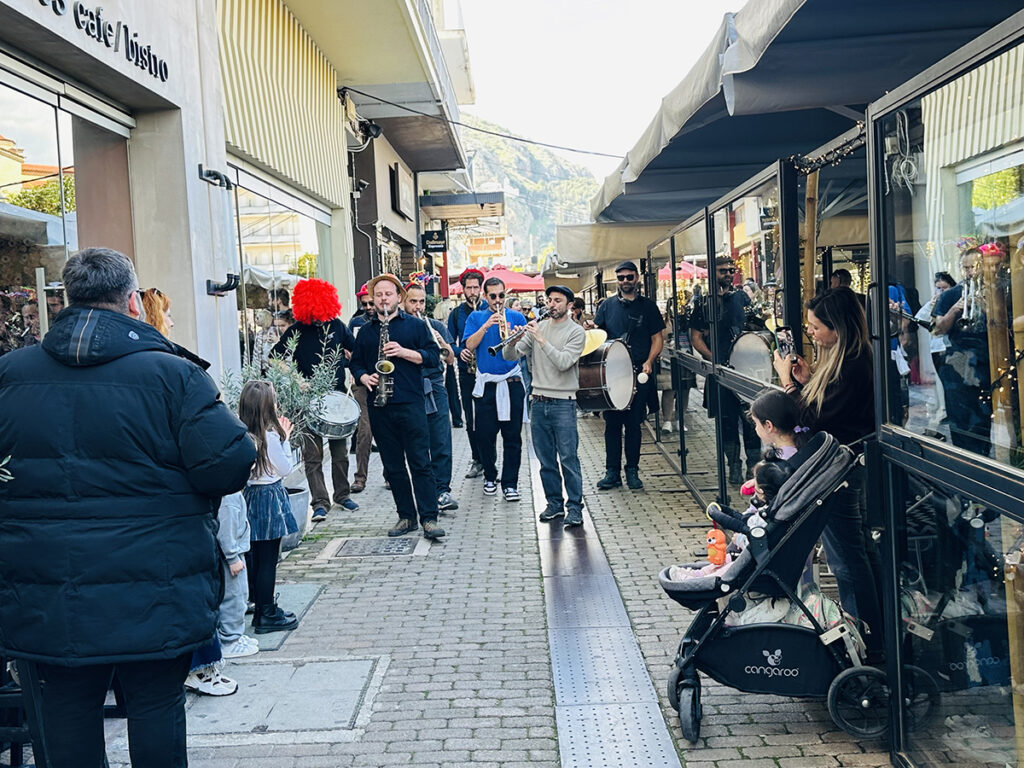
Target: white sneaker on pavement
x: 210, y: 682
x: 243, y: 646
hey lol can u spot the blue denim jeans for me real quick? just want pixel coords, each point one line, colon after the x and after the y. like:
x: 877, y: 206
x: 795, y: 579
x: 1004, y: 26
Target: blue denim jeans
x: 555, y: 440
x: 440, y: 429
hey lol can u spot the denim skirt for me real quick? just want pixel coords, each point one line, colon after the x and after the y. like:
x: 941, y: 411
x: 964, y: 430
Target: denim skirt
x: 269, y: 511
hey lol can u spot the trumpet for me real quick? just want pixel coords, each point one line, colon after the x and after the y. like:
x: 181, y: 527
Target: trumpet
x: 515, y: 336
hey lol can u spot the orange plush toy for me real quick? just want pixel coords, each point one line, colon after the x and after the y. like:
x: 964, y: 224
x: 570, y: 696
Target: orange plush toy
x: 716, y: 547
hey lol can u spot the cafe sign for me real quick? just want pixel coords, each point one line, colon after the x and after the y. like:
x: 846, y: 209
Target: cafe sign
x: 434, y: 241
x: 114, y: 34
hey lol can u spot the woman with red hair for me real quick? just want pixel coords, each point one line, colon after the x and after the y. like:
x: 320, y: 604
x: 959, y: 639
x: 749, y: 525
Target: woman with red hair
x: 319, y: 328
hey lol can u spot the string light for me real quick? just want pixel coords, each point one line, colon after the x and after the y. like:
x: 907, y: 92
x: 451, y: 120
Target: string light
x: 806, y: 165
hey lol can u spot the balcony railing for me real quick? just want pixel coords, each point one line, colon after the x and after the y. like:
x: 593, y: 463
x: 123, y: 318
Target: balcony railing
x: 434, y: 43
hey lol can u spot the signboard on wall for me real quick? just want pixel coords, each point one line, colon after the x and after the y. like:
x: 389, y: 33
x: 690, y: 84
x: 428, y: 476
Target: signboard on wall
x: 434, y: 241
x: 403, y: 193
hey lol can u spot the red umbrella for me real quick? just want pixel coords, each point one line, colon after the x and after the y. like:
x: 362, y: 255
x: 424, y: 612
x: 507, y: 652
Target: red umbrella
x: 515, y: 282
x: 685, y: 270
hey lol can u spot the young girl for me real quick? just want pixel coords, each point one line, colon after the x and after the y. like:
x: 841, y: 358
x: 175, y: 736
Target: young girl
x: 268, y: 508
x: 776, y: 418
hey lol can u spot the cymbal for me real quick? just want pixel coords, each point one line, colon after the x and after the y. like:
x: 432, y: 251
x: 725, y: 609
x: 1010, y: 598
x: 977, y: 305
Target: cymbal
x: 595, y: 338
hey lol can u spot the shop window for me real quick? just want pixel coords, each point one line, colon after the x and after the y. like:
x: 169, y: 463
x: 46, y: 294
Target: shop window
x: 746, y: 241
x: 952, y: 176
x: 691, y: 268
x: 961, y: 595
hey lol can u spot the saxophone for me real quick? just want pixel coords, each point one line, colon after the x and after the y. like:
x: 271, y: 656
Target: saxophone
x: 384, y: 368
x: 471, y: 365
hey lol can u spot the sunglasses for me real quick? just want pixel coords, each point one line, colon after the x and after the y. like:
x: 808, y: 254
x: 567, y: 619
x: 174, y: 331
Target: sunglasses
x: 626, y: 278
x: 496, y: 295
x: 727, y: 270
x: 366, y: 303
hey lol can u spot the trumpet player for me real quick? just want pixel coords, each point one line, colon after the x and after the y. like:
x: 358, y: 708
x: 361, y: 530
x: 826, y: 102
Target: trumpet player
x: 399, y: 424
x: 472, y: 281
x: 499, y: 396
x: 966, y: 380
x: 438, y: 419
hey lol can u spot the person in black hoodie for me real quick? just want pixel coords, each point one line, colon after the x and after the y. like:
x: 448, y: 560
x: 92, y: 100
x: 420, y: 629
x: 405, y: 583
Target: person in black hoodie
x: 120, y: 451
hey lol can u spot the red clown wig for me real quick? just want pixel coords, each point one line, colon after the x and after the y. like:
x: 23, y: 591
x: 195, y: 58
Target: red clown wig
x: 315, y: 301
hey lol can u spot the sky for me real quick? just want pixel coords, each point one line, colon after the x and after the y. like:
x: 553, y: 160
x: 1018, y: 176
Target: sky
x: 588, y: 74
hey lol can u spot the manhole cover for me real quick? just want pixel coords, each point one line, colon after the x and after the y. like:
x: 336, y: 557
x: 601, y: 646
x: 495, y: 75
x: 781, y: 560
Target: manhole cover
x: 378, y: 546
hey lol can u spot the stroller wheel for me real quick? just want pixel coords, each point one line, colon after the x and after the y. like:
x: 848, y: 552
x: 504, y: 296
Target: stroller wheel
x: 858, y: 701
x: 673, y: 686
x: 920, y: 696
x: 689, y: 709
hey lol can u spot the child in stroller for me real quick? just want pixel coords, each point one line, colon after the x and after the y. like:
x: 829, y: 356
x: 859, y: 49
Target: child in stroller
x: 805, y: 659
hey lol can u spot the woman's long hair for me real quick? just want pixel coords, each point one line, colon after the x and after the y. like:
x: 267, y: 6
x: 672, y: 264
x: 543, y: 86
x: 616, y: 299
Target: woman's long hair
x: 838, y: 310
x: 155, y: 305
x: 257, y: 408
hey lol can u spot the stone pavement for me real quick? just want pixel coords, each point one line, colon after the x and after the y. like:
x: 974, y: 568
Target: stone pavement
x: 453, y: 642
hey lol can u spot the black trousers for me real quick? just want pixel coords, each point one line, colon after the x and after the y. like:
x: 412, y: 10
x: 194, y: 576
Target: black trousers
x: 154, y: 695
x: 403, y: 439
x: 451, y: 385
x: 488, y: 427
x: 466, y: 384
x: 629, y: 421
x: 261, y: 570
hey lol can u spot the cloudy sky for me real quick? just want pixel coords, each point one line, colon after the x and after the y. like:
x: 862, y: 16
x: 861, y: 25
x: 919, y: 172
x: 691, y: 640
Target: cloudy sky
x: 584, y: 73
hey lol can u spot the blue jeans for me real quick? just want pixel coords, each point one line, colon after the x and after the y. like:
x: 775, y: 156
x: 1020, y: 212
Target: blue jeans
x: 440, y: 429
x: 555, y: 440
x: 853, y: 558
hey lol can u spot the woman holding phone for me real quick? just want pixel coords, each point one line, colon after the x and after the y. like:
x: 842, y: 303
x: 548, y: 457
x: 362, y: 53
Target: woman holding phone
x: 837, y: 397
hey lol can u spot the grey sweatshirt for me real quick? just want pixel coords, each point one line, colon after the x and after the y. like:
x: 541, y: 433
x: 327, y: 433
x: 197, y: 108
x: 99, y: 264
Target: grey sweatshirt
x: 554, y: 365
x: 233, y: 527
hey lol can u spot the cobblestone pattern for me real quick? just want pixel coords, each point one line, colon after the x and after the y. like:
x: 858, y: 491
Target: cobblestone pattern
x: 641, y: 533
x: 469, y: 680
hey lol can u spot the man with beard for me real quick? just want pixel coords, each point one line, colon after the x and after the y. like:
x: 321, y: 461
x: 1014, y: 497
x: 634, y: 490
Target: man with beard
x: 553, y: 347
x: 728, y: 326
x: 634, y: 319
x: 399, y: 420
x: 472, y: 282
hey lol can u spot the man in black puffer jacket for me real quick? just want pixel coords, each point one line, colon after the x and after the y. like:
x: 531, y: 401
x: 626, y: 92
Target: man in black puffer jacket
x: 120, y: 451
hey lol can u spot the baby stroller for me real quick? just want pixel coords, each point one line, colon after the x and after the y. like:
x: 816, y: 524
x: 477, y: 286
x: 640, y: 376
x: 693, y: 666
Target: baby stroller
x: 803, y: 660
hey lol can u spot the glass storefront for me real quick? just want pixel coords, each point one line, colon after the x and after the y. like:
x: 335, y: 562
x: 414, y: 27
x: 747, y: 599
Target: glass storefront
x: 63, y: 186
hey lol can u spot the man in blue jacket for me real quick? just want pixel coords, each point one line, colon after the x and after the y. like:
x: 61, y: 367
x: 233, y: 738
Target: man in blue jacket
x: 120, y: 451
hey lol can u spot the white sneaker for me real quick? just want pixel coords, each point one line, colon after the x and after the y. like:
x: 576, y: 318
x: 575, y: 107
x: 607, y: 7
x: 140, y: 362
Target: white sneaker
x: 243, y: 646
x: 208, y: 681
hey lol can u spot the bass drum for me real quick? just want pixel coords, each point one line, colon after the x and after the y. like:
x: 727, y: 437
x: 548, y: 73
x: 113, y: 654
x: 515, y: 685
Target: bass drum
x: 606, y: 379
x: 752, y: 354
x: 338, y: 416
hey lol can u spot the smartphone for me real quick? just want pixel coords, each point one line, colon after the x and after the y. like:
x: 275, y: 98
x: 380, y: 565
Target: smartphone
x: 784, y: 340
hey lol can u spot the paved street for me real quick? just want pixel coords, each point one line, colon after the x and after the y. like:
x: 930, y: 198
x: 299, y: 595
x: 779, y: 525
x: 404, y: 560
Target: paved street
x: 441, y: 657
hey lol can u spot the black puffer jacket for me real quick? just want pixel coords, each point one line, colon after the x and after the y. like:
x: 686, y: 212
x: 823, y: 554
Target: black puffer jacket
x: 120, y: 451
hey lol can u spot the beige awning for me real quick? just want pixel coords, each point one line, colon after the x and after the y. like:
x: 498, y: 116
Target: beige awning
x: 601, y: 245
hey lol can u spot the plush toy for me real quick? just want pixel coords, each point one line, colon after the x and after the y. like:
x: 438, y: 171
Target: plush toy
x: 716, y: 547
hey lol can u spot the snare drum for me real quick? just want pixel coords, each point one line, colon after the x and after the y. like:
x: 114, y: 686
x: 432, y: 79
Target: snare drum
x: 752, y: 355
x: 337, y: 418
x: 606, y: 379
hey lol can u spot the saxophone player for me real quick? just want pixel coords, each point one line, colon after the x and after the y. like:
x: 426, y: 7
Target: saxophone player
x: 438, y: 418
x: 499, y: 395
x: 399, y: 425
x: 472, y: 283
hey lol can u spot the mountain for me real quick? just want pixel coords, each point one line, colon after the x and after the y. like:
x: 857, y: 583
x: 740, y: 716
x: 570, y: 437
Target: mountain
x: 541, y: 188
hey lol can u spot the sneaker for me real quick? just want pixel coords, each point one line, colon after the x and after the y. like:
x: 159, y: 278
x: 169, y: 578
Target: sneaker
x: 574, y: 518
x: 633, y: 479
x: 208, y: 681
x: 610, y: 480
x: 475, y: 470
x: 349, y: 505
x: 243, y: 646
x: 402, y: 527
x: 446, y: 502
x: 667, y: 426
x: 550, y: 514
x: 358, y: 486
x: 319, y: 515
x: 431, y: 530
x: 511, y: 494
x: 490, y: 488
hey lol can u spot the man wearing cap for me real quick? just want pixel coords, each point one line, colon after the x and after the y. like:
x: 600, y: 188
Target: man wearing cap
x: 729, y: 324
x: 400, y: 425
x: 499, y: 395
x: 472, y: 282
x: 553, y: 348
x: 363, y: 438
x: 438, y: 420
x: 634, y: 319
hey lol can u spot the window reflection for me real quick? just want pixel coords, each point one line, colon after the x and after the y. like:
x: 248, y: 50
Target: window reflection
x: 691, y: 267
x: 953, y: 175
x: 700, y: 451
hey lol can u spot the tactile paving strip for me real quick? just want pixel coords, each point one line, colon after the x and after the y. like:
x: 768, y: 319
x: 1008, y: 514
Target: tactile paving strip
x: 377, y: 546
x: 584, y: 601
x: 613, y: 736
x: 598, y: 666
